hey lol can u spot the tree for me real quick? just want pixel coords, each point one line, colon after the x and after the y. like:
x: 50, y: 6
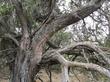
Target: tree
x: 30, y: 42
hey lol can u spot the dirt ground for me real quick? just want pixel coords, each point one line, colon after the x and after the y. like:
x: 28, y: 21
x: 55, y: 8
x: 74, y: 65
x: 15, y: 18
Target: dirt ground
x: 56, y: 77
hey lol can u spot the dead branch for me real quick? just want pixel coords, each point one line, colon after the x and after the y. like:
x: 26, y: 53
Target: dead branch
x: 12, y: 38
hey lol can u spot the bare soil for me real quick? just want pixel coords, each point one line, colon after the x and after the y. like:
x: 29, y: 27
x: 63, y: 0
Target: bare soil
x: 56, y: 77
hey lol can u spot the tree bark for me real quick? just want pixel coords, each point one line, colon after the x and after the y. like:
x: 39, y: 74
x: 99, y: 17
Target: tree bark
x: 24, y: 71
x: 21, y: 68
x: 30, y: 53
x: 65, y: 76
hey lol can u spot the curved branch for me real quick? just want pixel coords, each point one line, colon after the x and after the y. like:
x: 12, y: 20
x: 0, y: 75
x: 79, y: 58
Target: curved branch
x: 57, y: 56
x: 88, y: 45
x: 58, y: 23
x: 76, y: 47
x: 90, y: 66
x: 12, y: 38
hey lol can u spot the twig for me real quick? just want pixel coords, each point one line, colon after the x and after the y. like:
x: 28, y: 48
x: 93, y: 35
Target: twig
x: 49, y: 73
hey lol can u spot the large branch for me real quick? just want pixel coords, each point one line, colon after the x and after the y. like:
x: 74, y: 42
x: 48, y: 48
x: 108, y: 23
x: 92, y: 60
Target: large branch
x: 81, y: 45
x: 58, y: 23
x: 21, y: 14
x: 24, y: 23
x: 74, y: 17
x: 56, y: 56
x: 76, y: 48
x: 12, y: 38
x: 91, y: 66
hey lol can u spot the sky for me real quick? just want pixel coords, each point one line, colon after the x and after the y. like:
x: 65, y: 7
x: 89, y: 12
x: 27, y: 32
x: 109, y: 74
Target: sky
x: 89, y: 21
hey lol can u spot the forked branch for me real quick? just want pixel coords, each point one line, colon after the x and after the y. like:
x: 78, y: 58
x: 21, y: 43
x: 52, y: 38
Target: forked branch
x: 57, y: 55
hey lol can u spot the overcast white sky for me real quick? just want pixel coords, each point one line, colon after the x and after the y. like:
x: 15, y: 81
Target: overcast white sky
x: 89, y: 21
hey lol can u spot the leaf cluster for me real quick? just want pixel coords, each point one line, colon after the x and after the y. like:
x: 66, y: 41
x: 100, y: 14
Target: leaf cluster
x: 5, y: 8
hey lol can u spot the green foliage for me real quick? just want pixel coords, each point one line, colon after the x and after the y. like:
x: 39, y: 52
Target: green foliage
x: 107, y: 42
x: 30, y: 4
x: 5, y: 8
x: 31, y: 8
x: 61, y: 38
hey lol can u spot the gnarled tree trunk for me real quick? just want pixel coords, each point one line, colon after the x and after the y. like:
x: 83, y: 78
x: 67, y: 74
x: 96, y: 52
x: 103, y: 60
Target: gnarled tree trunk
x: 31, y: 49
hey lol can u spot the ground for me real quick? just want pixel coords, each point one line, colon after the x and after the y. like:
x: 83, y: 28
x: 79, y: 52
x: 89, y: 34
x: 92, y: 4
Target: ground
x: 56, y: 77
